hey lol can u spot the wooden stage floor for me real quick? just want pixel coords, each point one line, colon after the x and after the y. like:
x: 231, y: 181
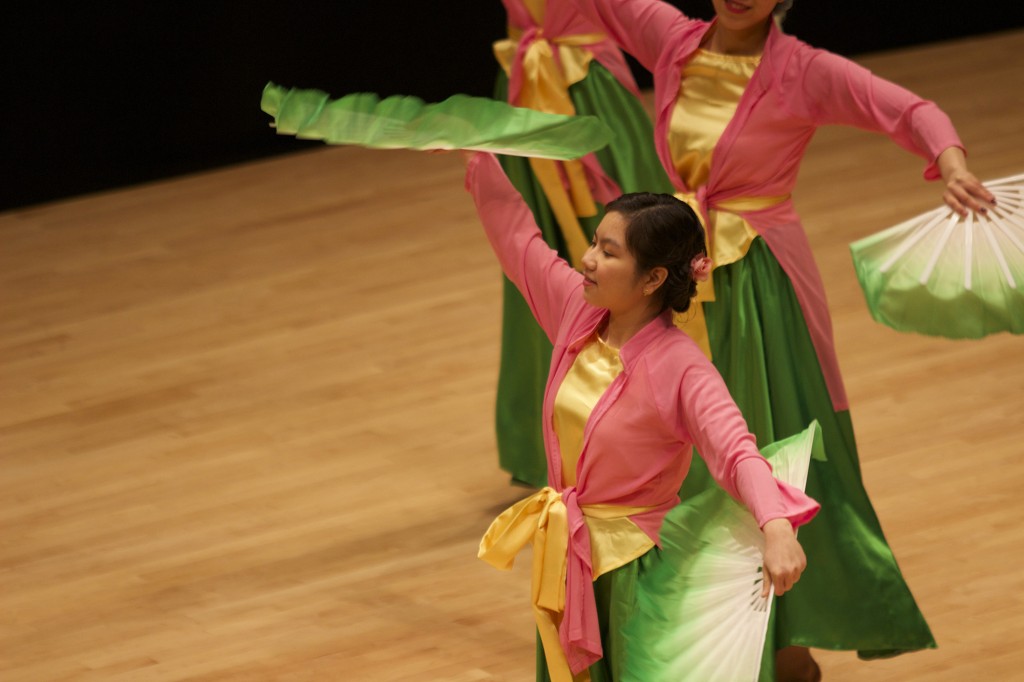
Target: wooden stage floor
x: 246, y: 427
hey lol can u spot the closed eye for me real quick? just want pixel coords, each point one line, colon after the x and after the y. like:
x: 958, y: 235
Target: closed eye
x: 604, y: 242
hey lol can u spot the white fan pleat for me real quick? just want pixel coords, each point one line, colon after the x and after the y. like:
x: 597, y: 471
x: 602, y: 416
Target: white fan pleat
x: 913, y: 238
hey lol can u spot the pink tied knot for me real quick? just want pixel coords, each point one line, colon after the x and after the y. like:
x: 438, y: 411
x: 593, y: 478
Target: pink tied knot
x: 515, y: 83
x: 700, y: 268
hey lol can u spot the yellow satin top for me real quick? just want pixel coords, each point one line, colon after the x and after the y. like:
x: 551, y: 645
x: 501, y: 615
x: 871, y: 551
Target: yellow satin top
x: 709, y: 94
x: 711, y: 87
x: 614, y: 542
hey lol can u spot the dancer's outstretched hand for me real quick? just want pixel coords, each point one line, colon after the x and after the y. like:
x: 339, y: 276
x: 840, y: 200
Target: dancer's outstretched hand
x: 963, y: 192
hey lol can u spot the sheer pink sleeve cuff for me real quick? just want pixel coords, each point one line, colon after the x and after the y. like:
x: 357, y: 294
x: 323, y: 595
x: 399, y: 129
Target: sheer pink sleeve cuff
x: 768, y: 498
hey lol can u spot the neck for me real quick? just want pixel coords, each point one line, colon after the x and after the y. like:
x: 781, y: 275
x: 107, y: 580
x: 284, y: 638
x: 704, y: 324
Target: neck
x: 746, y: 42
x: 621, y: 327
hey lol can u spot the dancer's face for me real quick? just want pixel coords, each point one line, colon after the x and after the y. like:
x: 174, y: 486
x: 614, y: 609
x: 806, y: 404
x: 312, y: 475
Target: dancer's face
x: 743, y: 15
x: 610, y: 275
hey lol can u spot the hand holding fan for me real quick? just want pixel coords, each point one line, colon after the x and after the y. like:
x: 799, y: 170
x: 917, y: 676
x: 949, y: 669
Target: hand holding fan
x: 942, y: 274
x: 700, y: 616
x: 459, y: 122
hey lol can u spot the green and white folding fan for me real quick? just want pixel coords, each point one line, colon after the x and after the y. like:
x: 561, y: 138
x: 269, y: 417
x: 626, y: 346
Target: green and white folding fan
x: 459, y: 122
x: 700, y: 616
x: 942, y: 274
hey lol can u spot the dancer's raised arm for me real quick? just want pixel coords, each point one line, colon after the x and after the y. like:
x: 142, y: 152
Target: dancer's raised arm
x: 545, y: 280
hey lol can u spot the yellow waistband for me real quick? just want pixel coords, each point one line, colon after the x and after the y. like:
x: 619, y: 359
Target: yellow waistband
x: 729, y: 237
x: 728, y: 234
x: 743, y: 204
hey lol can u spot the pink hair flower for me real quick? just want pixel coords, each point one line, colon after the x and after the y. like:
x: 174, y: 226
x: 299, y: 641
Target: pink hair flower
x: 700, y: 268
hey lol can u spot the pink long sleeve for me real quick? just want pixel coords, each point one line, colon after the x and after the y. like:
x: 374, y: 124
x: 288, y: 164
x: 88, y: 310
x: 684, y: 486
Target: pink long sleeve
x: 643, y: 28
x: 838, y: 91
x: 768, y: 498
x: 720, y: 433
x: 545, y: 280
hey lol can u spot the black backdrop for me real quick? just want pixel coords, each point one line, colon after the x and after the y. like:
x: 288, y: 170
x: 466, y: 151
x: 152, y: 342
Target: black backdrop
x: 116, y: 93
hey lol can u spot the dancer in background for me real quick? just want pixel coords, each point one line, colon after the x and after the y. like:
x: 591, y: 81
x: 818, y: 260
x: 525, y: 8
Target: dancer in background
x: 554, y: 61
x: 627, y: 398
x: 737, y: 102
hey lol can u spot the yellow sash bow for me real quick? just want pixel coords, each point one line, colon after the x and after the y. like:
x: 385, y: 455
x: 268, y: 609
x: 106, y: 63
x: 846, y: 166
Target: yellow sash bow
x: 544, y: 86
x: 543, y: 519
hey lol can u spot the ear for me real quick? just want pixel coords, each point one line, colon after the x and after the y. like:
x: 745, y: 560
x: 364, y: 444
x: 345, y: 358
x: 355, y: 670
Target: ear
x: 654, y: 279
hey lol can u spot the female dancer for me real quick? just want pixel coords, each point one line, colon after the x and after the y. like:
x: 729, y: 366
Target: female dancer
x: 554, y: 61
x: 737, y: 102
x: 628, y: 397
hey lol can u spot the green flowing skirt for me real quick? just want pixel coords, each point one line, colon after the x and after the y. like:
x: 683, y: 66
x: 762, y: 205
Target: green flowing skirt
x: 632, y: 162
